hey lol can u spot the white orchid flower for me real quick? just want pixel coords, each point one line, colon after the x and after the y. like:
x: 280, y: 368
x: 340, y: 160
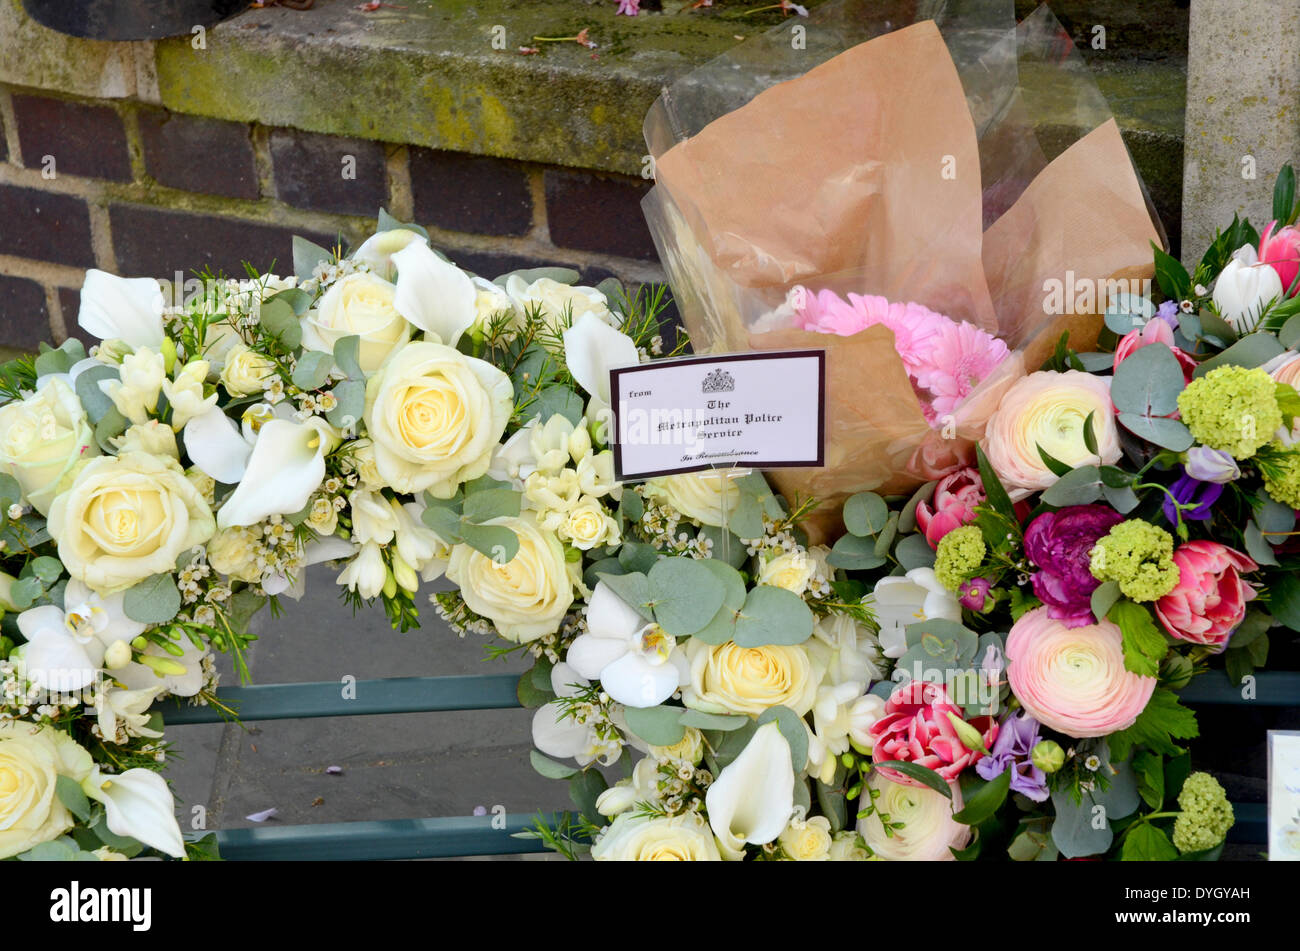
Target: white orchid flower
x: 558, y: 734
x: 901, y: 600
x: 753, y: 797
x: 591, y: 349
x: 121, y: 308
x: 433, y: 294
x: 138, y: 804
x: 638, y: 663
x: 286, y: 466
x: 65, y: 648
x: 378, y: 250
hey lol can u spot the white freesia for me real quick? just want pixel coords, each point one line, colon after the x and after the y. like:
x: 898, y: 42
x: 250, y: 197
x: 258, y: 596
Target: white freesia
x: 129, y: 309
x: 434, y: 294
x: 188, y: 684
x: 42, y: 438
x: 417, y: 544
x: 135, y: 393
x: 637, y: 663
x: 512, y: 460
x: 377, y: 250
x: 152, y: 437
x: 570, y: 731
x: 126, y: 710
x: 373, y: 519
x: 841, y: 714
x: 901, y: 600
x: 591, y: 349
x: 1243, y: 289
x: 366, y: 574
x: 185, y: 393
x: 286, y: 466
x: 847, y: 650
x: 753, y: 797
x: 641, y: 786
x: 137, y: 803
x: 489, y: 301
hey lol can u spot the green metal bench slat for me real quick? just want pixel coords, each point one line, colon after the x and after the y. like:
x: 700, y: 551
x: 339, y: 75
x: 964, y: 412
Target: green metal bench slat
x: 387, y: 839
x: 326, y: 699
x: 1273, y: 688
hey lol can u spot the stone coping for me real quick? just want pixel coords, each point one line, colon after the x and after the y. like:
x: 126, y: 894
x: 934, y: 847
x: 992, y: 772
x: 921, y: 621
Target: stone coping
x: 426, y: 73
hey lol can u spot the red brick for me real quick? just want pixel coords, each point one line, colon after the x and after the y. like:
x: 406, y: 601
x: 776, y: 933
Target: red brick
x: 24, y: 320
x: 83, y: 139
x: 45, y: 226
x: 309, y: 172
x: 198, y: 155
x: 158, y: 242
x: 595, y: 213
x: 470, y: 193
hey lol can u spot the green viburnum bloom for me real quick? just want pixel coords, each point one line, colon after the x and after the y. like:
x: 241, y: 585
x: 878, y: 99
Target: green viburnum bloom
x: 1233, y: 409
x: 959, y: 556
x: 1280, y: 469
x: 1206, y: 814
x: 1139, y: 557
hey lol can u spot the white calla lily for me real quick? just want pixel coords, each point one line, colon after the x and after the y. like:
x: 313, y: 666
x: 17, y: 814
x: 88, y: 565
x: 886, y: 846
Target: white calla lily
x: 217, y: 447
x: 137, y: 803
x: 591, y: 349
x: 122, y: 308
x: 638, y: 663
x: 378, y: 249
x: 433, y: 294
x: 753, y: 797
x: 286, y: 466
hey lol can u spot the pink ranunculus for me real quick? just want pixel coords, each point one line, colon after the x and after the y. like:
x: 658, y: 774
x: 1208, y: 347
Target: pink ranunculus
x: 916, y: 729
x: 1281, y: 249
x: 1156, y: 331
x: 1073, y: 679
x: 1210, y: 600
x: 951, y: 506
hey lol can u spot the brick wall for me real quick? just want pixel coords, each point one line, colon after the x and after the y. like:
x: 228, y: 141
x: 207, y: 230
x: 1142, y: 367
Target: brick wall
x: 137, y: 190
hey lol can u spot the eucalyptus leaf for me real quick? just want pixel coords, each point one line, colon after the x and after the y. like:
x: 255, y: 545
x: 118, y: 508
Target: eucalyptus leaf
x: 907, y: 517
x: 714, y: 721
x: 1104, y: 597
x: 306, y: 255
x: 549, y: 767
x: 634, y: 589
x: 155, y: 600
x: 1073, y: 831
x: 914, y: 552
x: 347, y: 354
x: 555, y: 400
x: 1148, y: 382
x: 495, y: 541
x: 1122, y: 500
x: 487, y: 504
x: 93, y: 399
x: 1166, y: 433
x: 686, y: 595
x: 70, y: 794
x: 1077, y: 487
x: 854, y: 553
x: 865, y: 513
x: 727, y: 546
x: 1252, y: 350
x: 313, y: 369
x: 658, y: 726
x: 351, y: 397
x: 773, y: 615
x: 278, y: 319
x: 1256, y: 546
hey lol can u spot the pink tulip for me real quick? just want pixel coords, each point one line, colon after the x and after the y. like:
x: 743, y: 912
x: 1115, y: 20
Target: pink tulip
x: 1210, y: 600
x: 1282, y: 251
x: 1156, y: 331
x: 951, y: 506
x: 916, y: 728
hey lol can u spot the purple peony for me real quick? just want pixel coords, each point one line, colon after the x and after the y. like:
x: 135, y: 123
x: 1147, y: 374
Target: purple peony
x: 1058, y: 544
x: 1013, y: 749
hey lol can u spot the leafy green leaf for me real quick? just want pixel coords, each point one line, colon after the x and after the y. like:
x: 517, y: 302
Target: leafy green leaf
x: 1250, y: 351
x: 70, y: 794
x: 1156, y: 727
x: 1054, y: 465
x: 1149, y: 768
x: 155, y: 600
x: 658, y: 726
x: 1144, y: 645
x: 1148, y: 382
x: 279, y: 320
x: 530, y: 695
x: 686, y: 595
x: 865, y: 513
x: 495, y: 541
x: 487, y: 504
x: 584, y: 789
x: 1171, y: 276
x: 1090, y: 433
x: 994, y: 493
x: 1145, y: 842
x: 1166, y: 433
x: 1104, y: 597
x: 1284, y: 603
x: 1284, y: 194
x: 313, y: 369
x: 1077, y: 487
x: 854, y: 553
x: 773, y: 615
x: 986, y: 800
x: 922, y: 774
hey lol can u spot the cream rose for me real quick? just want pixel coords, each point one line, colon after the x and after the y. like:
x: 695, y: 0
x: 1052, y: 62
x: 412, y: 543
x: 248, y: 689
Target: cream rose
x: 588, y: 525
x: 633, y: 838
x: 706, y: 497
x: 360, y: 304
x: 560, y: 305
x: 929, y: 832
x: 689, y: 749
x: 32, y: 758
x: 1048, y: 409
x: 728, y: 678
x: 233, y: 552
x: 127, y: 517
x: 795, y: 570
x: 246, y: 371
x: 42, y: 438
x: 153, y: 437
x: 435, y: 416
x: 848, y: 846
x: 525, y: 597
x: 807, y: 840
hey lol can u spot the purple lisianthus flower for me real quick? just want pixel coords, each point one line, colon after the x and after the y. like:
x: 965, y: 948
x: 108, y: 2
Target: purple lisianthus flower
x: 1211, y: 465
x: 1168, y: 312
x: 973, y: 593
x: 1058, y: 543
x: 1013, y: 750
x: 1188, y: 490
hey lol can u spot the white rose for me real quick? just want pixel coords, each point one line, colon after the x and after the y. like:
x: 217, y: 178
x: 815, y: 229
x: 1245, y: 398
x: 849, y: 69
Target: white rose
x: 928, y: 831
x: 792, y: 570
x: 560, y: 305
x: 246, y: 371
x: 360, y: 304
x: 525, y: 597
x: 807, y: 840
x: 233, y: 552
x: 323, y: 517
x: 152, y: 437
x: 706, y: 497
x: 127, y: 517
x: 32, y: 758
x: 847, y: 846
x: 489, y: 301
x: 689, y: 749
x: 185, y: 393
x: 1243, y: 289
x: 588, y: 525
x: 42, y: 438
x: 435, y: 416
x: 728, y: 678
x: 135, y: 394
x: 632, y: 838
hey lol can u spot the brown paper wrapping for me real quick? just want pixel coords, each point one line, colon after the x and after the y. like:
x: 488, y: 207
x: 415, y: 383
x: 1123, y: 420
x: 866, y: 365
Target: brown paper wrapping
x: 835, y: 179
